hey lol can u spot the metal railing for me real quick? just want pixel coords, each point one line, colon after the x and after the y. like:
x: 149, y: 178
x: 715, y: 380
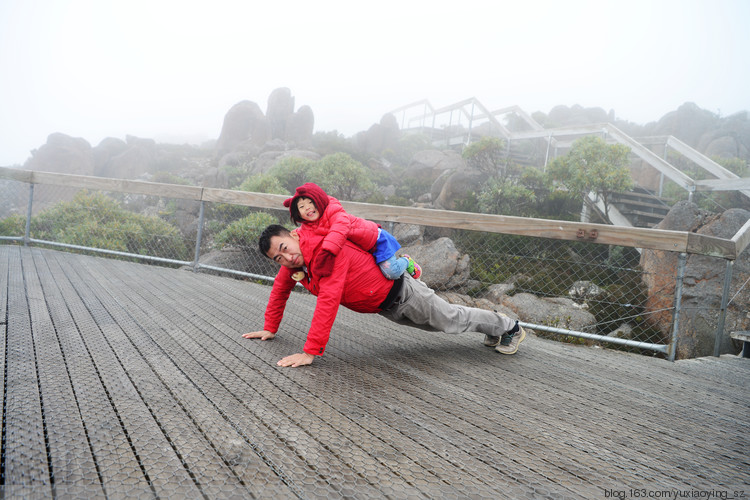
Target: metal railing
x: 502, y: 249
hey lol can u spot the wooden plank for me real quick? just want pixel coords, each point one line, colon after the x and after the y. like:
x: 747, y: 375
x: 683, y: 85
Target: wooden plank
x: 25, y: 454
x: 118, y: 185
x: 116, y: 459
x: 71, y: 461
x: 657, y: 239
x: 741, y: 239
x: 199, y: 433
x: 709, y: 245
x: 145, y: 364
x: 5, y: 251
x: 245, y: 198
x: 164, y: 468
x: 15, y: 174
x: 189, y: 343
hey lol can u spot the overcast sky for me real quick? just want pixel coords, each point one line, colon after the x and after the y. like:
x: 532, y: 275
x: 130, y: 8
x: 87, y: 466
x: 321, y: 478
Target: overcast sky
x: 171, y: 69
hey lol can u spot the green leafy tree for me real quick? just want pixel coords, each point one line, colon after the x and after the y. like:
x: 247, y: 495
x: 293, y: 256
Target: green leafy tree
x: 503, y: 196
x: 342, y: 176
x: 488, y: 155
x: 594, y: 165
x: 292, y: 171
x: 263, y: 183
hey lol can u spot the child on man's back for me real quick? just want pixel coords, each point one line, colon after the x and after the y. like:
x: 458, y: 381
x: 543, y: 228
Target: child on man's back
x: 322, y: 214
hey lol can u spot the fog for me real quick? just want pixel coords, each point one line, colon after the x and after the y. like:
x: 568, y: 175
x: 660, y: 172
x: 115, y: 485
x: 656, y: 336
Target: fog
x: 171, y: 69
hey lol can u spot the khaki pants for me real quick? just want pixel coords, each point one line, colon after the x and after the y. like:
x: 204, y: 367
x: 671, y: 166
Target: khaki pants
x: 419, y: 306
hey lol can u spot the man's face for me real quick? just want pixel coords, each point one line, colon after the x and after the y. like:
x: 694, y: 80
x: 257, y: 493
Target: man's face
x: 307, y: 209
x: 285, y: 250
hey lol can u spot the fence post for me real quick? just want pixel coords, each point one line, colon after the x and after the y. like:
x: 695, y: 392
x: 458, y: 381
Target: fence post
x: 27, y: 230
x: 682, y: 259
x: 724, y: 304
x: 198, y: 238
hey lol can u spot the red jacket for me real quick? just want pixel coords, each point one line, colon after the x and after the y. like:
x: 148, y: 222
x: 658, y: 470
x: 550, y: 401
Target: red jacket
x: 336, y: 226
x: 356, y: 283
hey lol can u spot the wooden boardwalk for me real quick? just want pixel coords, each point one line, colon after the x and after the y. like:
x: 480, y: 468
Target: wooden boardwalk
x: 126, y: 380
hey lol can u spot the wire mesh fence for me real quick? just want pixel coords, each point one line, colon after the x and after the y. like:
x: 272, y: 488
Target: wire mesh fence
x: 576, y: 291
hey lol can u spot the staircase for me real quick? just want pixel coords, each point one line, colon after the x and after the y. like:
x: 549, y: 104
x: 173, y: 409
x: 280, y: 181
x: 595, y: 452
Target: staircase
x: 640, y: 207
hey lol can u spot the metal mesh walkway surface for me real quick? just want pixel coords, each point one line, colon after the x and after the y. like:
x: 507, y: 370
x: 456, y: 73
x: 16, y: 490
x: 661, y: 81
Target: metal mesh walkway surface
x: 125, y: 380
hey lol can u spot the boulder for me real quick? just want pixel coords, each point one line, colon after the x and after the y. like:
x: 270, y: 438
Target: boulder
x: 107, y: 149
x: 380, y: 136
x: 407, y: 234
x: 130, y: 164
x: 558, y: 312
x: 457, y: 185
x: 279, y: 111
x: 299, y: 128
x: 443, y: 266
x: 467, y: 301
x: 244, y: 121
x: 432, y: 163
x: 497, y: 293
x: 702, y: 285
x: 63, y: 154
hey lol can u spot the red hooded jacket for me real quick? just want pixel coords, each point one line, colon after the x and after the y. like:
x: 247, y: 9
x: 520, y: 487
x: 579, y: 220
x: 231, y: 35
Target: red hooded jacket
x: 356, y: 283
x: 334, y: 224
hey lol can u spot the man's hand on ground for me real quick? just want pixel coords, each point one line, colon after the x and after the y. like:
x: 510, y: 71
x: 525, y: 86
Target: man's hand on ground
x: 262, y: 335
x: 296, y: 360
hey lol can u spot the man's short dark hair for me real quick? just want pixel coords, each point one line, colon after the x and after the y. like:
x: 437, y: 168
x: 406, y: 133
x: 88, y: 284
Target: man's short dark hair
x: 264, y: 242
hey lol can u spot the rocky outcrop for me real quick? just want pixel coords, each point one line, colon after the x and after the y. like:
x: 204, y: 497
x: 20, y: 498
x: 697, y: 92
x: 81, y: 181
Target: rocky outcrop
x: 279, y: 111
x: 443, y: 266
x: 244, y: 122
x: 558, y: 312
x: 702, y: 285
x: 63, y: 154
x: 379, y: 137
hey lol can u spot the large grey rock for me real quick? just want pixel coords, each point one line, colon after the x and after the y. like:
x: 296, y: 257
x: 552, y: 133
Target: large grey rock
x: 431, y: 163
x: 63, y: 154
x: 443, y: 266
x: 558, y: 312
x: 279, y: 111
x: 456, y: 186
x: 702, y: 285
x: 299, y: 128
x: 244, y: 121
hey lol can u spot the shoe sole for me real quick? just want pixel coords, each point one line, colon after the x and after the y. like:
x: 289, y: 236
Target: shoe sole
x: 523, y: 336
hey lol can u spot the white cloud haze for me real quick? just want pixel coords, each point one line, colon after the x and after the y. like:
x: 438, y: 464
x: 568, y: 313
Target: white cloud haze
x: 169, y: 68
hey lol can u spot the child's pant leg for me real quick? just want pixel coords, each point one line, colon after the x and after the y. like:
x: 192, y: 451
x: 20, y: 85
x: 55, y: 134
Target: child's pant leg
x: 394, y: 267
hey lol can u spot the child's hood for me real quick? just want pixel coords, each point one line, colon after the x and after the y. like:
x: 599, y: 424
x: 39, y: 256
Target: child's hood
x: 307, y: 190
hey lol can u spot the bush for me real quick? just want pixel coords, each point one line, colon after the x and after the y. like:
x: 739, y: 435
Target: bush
x: 342, y: 177
x: 13, y: 225
x: 244, y: 233
x: 97, y: 221
x: 292, y: 172
x: 263, y: 183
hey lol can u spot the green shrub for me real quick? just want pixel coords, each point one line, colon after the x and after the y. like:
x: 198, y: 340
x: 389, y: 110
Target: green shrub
x: 263, y: 183
x: 95, y: 220
x: 244, y: 233
x: 13, y: 225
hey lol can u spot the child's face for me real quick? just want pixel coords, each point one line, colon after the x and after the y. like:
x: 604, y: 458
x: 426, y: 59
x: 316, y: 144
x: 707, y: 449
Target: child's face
x: 307, y: 210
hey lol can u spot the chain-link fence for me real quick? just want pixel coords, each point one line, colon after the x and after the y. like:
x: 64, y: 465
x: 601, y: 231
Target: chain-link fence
x: 577, y: 291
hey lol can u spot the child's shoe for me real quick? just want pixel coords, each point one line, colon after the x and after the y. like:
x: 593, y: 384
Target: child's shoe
x: 413, y: 268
